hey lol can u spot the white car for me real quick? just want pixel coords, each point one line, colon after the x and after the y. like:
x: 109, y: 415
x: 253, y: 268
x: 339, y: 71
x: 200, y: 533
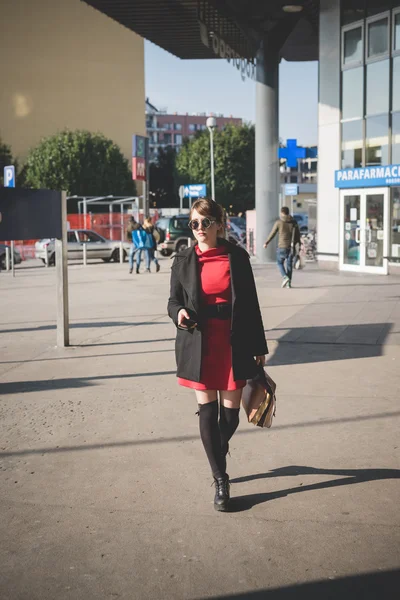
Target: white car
x: 96, y: 245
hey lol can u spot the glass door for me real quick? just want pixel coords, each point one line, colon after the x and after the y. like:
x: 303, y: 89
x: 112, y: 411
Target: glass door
x: 365, y: 230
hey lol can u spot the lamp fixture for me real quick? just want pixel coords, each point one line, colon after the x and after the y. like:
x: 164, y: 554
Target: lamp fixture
x: 292, y: 8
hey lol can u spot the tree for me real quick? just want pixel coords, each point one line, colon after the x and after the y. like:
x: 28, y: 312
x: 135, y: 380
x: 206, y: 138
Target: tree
x: 6, y: 158
x: 234, y: 156
x: 163, y: 179
x: 81, y: 163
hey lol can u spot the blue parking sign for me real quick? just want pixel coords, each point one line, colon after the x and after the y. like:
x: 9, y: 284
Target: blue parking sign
x: 9, y: 176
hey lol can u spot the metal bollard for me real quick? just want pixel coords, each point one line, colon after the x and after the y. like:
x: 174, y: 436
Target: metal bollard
x: 12, y: 259
x: 121, y: 252
x: 84, y: 254
x: 7, y: 258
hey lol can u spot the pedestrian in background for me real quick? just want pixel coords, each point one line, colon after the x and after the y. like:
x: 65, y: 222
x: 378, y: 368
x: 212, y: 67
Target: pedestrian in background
x: 289, y: 237
x: 151, y: 244
x: 132, y: 226
x: 220, y: 338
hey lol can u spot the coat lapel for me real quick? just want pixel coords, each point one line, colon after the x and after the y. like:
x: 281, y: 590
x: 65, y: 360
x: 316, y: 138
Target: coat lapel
x: 190, y: 278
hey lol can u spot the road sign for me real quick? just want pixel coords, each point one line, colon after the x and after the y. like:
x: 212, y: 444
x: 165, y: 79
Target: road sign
x: 9, y: 176
x: 195, y: 190
x: 291, y: 189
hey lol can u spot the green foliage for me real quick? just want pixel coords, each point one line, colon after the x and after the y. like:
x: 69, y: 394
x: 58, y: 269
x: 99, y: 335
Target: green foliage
x: 234, y: 156
x: 79, y: 162
x: 6, y: 158
x: 163, y: 179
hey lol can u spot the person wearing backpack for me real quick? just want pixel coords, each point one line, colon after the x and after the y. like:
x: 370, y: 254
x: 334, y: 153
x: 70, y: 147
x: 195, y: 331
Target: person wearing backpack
x: 288, y: 241
x: 132, y: 227
x: 151, y: 244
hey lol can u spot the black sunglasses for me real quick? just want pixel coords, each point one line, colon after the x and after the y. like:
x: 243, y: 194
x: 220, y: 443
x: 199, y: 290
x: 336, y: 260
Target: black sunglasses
x: 205, y: 223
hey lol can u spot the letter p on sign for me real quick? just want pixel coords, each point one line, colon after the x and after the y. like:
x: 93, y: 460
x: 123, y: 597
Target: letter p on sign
x: 9, y: 176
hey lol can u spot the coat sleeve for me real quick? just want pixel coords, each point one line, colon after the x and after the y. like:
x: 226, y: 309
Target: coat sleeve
x: 176, y: 301
x: 256, y: 326
x: 273, y: 233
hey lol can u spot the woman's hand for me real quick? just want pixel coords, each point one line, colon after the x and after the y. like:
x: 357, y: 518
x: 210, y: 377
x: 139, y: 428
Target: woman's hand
x: 260, y: 360
x: 182, y: 315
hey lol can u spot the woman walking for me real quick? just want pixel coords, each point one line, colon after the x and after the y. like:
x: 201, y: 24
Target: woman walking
x: 220, y: 335
x: 150, y: 248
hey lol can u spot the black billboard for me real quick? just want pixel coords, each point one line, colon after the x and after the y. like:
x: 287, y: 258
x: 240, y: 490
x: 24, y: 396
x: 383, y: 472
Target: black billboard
x: 29, y: 214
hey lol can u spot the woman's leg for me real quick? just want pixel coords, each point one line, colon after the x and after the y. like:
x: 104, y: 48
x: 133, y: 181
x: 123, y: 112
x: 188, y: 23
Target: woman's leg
x: 209, y: 430
x: 228, y: 419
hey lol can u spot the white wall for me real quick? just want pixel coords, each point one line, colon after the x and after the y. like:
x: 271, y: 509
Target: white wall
x: 328, y: 130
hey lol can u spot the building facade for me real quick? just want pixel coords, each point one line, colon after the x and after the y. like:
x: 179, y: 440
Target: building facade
x: 164, y: 129
x: 67, y: 65
x: 359, y: 135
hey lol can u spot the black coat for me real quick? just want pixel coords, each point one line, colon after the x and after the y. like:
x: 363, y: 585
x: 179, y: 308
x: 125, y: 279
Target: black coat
x: 247, y: 330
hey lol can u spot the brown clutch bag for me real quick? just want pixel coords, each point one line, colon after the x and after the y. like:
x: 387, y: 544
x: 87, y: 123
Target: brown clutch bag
x: 259, y: 400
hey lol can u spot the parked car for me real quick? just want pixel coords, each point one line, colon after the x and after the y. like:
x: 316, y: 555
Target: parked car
x: 96, y: 245
x: 17, y: 256
x: 174, y: 232
x: 302, y: 221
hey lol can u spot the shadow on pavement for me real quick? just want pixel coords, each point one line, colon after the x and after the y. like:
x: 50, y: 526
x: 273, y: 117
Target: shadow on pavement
x: 83, y: 326
x: 41, y: 385
x: 190, y: 438
x: 347, y: 477
x: 35, y: 360
x: 368, y: 586
x: 327, y: 343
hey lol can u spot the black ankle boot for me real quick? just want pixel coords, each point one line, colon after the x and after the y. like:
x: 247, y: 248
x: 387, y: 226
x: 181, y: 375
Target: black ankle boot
x: 221, y: 499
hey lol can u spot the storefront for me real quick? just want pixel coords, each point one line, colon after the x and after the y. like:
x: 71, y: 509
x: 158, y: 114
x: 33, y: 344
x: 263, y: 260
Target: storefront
x: 359, y: 135
x: 369, y: 218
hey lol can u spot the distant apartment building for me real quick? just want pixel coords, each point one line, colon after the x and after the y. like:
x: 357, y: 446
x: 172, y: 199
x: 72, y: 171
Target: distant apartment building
x: 304, y: 172
x: 165, y: 129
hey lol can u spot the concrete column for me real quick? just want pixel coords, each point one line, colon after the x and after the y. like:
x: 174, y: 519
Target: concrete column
x: 267, y: 143
x: 329, y: 151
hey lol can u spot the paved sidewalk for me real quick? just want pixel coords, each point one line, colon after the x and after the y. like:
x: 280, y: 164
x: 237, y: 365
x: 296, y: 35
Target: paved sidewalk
x: 104, y: 486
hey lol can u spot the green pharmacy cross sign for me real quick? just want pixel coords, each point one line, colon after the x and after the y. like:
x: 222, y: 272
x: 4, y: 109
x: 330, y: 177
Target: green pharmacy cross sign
x: 138, y: 146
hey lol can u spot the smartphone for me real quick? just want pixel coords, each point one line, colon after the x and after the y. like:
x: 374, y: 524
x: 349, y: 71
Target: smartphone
x: 189, y: 323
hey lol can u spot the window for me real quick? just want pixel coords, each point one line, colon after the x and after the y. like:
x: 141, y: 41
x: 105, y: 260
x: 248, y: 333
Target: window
x: 352, y: 43
x: 71, y: 237
x: 178, y: 126
x: 167, y: 138
x: 167, y: 126
x: 352, y: 144
x: 377, y: 139
x: 396, y: 84
x: 181, y: 224
x: 396, y: 138
x: 192, y: 127
x: 377, y: 37
x: 395, y: 223
x: 396, y: 31
x: 178, y: 138
x: 378, y: 87
x: 352, y: 93
x: 89, y: 237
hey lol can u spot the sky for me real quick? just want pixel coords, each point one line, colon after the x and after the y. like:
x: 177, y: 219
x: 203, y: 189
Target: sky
x: 216, y: 86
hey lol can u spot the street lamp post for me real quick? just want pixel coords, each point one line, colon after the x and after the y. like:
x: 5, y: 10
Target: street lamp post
x: 212, y: 124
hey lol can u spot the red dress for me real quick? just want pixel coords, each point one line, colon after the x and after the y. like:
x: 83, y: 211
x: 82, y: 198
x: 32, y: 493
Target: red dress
x: 216, y: 359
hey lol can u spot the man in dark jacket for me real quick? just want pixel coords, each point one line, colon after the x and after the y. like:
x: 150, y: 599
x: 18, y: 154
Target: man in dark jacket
x: 289, y: 237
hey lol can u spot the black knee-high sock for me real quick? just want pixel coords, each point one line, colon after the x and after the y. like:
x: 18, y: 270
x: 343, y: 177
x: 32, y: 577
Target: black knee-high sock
x: 210, y: 436
x: 228, y: 423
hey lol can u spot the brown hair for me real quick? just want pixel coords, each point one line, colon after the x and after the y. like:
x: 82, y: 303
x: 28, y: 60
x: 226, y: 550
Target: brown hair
x: 209, y: 208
